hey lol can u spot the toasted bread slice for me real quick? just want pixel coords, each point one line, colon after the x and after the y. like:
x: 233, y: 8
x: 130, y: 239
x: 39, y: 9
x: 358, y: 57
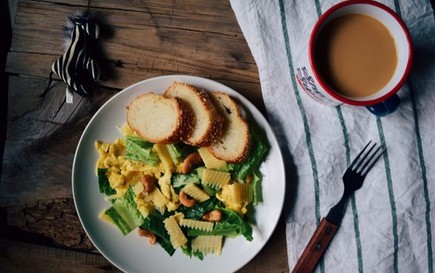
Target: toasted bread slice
x: 159, y: 119
x: 235, y: 142
x: 207, y: 123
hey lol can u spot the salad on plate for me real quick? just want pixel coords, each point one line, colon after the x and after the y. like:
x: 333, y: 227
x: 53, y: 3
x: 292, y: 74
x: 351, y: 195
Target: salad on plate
x: 188, y: 191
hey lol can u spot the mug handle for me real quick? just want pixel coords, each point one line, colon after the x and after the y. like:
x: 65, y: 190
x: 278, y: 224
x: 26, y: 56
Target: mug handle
x: 386, y: 107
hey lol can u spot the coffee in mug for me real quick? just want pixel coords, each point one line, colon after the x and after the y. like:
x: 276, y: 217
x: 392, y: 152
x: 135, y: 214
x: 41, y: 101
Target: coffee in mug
x: 356, y: 55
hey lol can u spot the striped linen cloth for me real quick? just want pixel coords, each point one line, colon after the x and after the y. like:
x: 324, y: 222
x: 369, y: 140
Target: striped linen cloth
x: 389, y: 223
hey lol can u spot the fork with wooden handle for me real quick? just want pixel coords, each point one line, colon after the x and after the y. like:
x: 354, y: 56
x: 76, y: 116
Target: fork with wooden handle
x: 353, y: 179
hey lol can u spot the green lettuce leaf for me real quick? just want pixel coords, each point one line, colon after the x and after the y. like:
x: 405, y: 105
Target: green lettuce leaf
x: 118, y: 221
x: 199, y: 209
x: 259, y: 149
x: 140, y: 150
x: 179, y: 180
x: 103, y: 183
x: 126, y: 208
x: 257, y: 195
x: 154, y: 223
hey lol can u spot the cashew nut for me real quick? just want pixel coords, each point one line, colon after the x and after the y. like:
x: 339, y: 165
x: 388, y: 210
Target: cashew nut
x: 152, y: 238
x: 149, y: 183
x: 213, y: 216
x: 192, y: 159
x: 186, y: 200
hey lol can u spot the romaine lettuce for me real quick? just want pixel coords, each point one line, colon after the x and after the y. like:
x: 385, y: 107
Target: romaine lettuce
x: 154, y: 223
x: 257, y: 195
x: 140, y: 150
x: 124, y: 213
x: 259, y: 149
x: 199, y: 209
x: 118, y: 221
x: 180, y: 180
x: 103, y: 183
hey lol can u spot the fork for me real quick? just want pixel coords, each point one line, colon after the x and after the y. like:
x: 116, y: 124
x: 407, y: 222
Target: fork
x: 353, y: 179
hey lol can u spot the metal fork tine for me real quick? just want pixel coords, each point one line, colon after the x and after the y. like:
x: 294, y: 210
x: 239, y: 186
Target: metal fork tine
x: 372, y: 160
x: 358, y: 156
x: 359, y: 167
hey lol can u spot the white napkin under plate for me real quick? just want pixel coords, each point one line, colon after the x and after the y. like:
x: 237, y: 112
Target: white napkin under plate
x: 389, y: 222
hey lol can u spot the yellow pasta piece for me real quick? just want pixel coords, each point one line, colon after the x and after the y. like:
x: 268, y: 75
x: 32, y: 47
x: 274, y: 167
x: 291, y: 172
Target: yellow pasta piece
x: 169, y: 192
x: 196, y: 224
x: 241, y: 192
x: 210, y: 161
x: 215, y: 179
x: 158, y: 200
x: 178, y: 216
x: 176, y: 235
x: 196, y: 193
x: 207, y: 244
x: 166, y: 187
x: 165, y: 157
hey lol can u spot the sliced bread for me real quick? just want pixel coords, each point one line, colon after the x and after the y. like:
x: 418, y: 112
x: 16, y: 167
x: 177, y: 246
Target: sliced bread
x: 159, y: 119
x: 207, y: 123
x: 235, y: 142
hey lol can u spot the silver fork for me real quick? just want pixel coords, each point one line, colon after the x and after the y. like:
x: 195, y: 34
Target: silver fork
x: 353, y: 179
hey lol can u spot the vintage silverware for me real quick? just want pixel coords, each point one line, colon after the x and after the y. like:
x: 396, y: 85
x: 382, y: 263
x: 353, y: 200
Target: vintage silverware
x: 353, y: 179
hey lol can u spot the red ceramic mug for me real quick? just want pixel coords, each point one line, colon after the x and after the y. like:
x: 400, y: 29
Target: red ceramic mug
x: 359, y: 53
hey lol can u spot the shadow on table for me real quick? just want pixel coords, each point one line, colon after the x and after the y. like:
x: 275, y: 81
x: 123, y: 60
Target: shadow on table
x: 5, y: 43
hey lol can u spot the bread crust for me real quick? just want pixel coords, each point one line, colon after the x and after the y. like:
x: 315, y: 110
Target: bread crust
x: 183, y: 123
x: 235, y: 129
x: 201, y: 98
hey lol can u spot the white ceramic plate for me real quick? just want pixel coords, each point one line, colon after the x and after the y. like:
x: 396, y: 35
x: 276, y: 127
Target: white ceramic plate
x: 132, y: 253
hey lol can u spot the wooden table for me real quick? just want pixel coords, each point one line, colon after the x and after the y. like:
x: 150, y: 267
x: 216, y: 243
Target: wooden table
x: 40, y: 231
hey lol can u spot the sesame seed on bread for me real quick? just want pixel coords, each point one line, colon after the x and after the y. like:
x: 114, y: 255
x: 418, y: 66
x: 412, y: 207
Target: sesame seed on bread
x: 234, y: 144
x: 207, y: 123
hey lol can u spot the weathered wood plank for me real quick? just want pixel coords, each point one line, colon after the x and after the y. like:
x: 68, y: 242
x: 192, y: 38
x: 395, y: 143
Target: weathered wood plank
x: 273, y: 257
x: 75, y: 3
x: 144, y: 43
x: 38, y: 27
x: 204, y: 16
x: 23, y: 258
x: 41, y: 138
x: 36, y: 18
x: 124, y: 75
x: 55, y: 219
x: 132, y: 34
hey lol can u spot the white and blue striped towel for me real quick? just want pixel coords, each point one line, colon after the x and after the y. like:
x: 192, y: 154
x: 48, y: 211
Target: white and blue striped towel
x: 389, y: 223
